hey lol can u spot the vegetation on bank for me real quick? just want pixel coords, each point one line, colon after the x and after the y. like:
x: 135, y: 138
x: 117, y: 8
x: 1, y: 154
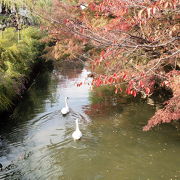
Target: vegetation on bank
x: 17, y: 60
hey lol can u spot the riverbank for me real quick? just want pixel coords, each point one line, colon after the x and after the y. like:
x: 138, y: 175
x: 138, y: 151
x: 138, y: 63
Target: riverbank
x: 20, y: 62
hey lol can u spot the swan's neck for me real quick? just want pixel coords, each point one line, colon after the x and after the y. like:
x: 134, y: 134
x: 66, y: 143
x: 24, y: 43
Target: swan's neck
x: 77, y: 125
x: 66, y: 104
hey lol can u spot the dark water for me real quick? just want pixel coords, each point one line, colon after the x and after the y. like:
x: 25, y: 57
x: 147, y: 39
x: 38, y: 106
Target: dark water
x: 36, y: 141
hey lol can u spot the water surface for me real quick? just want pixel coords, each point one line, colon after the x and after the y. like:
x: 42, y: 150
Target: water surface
x: 36, y: 141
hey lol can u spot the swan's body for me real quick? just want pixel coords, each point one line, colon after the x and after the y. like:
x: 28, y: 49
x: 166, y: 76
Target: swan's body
x: 77, y: 134
x: 65, y: 110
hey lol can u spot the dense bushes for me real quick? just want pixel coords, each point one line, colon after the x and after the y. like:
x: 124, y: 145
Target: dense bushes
x: 16, y: 61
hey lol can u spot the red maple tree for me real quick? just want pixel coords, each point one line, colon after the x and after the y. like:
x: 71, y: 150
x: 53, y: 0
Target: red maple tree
x: 132, y: 43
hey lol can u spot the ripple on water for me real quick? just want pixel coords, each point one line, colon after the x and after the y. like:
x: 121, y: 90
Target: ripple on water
x: 113, y: 145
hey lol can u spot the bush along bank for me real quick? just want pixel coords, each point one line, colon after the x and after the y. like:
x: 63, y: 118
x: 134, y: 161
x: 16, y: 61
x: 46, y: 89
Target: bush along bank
x: 18, y: 59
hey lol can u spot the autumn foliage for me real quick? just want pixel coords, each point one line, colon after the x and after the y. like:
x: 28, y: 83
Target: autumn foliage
x: 127, y: 42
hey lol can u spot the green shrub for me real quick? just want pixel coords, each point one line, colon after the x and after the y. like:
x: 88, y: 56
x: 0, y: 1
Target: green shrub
x: 16, y: 61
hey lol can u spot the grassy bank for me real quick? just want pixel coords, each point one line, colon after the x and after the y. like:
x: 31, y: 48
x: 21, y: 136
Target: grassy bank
x: 17, y: 59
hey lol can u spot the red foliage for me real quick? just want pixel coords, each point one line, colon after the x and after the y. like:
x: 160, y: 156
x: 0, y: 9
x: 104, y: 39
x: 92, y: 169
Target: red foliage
x: 169, y: 113
x: 136, y: 40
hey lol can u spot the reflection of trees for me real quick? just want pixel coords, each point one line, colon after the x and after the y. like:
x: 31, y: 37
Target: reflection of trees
x: 14, y: 129
x: 105, y: 103
x: 69, y: 73
x: 70, y: 69
x: 38, y: 93
x: 33, y: 99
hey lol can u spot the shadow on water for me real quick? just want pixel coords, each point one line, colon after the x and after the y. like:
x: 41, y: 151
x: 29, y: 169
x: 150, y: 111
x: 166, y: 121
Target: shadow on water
x: 32, y: 100
x: 36, y: 141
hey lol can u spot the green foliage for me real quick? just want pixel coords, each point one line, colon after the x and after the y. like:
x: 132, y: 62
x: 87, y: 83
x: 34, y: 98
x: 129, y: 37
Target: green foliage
x: 12, y: 3
x: 16, y: 61
x: 24, y: 3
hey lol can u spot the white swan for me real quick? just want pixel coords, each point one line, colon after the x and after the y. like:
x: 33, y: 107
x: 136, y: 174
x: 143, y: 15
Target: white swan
x: 65, y: 110
x: 77, y: 134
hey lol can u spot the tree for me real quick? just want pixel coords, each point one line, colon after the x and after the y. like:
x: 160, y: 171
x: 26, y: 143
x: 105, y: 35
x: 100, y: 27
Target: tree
x: 135, y: 43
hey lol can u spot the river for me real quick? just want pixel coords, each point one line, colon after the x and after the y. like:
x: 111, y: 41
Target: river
x: 36, y: 142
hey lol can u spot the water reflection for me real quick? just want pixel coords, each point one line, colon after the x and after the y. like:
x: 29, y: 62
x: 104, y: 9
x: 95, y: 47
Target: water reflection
x: 37, y: 141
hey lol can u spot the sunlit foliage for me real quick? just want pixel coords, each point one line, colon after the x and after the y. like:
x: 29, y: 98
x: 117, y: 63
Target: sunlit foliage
x: 16, y: 62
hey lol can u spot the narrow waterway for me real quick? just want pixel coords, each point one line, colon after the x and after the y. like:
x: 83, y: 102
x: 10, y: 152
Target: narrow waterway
x: 36, y: 142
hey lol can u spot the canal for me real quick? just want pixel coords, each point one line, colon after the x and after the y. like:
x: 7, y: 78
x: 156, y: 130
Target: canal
x: 36, y: 141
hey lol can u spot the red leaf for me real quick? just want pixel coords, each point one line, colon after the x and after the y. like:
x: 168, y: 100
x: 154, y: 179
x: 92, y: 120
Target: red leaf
x: 134, y: 93
x: 128, y: 91
x: 141, y: 84
x: 131, y: 92
x: 102, y: 53
x: 92, y: 6
x: 147, y: 90
x: 110, y: 80
x: 114, y: 74
x: 124, y: 77
x: 66, y: 21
